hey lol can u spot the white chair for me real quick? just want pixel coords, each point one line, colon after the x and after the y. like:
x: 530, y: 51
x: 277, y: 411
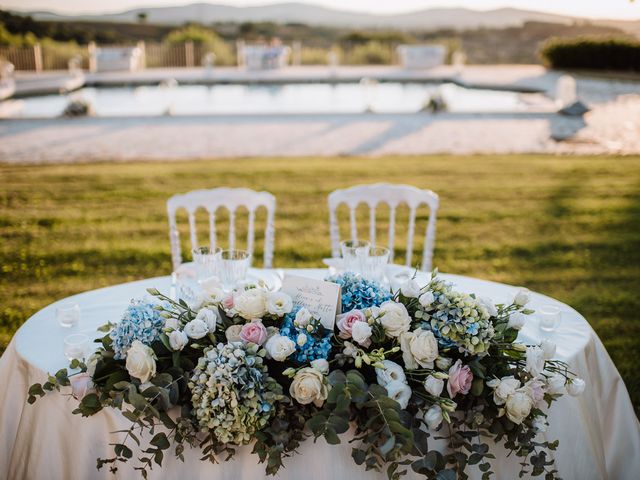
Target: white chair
x: 230, y: 199
x: 392, y: 195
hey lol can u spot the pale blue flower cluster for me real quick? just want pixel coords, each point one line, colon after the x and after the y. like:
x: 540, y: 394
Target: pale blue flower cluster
x: 317, y: 344
x: 141, y: 321
x: 358, y: 293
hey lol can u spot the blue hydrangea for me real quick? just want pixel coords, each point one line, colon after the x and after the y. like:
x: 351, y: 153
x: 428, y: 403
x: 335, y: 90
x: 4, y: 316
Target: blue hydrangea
x: 141, y: 321
x: 318, y: 344
x: 359, y: 293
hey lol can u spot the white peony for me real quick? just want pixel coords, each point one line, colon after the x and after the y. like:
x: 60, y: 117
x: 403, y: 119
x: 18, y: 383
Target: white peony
x: 419, y: 348
x: 535, y: 361
x: 426, y: 299
x: 303, y: 317
x: 141, y: 361
x: 503, y: 388
x: 280, y: 347
x: 517, y: 320
x: 522, y: 297
x: 210, y: 317
x: 433, y: 417
x: 400, y: 392
x: 172, y: 323
x: 555, y: 384
x: 548, y: 348
x: 178, y: 340
x: 575, y: 387
x: 392, y: 372
x: 251, y: 304
x: 489, y: 305
x: 196, y: 329
x: 279, y: 303
x: 308, y: 386
x: 433, y: 385
x: 519, y: 405
x: 410, y: 289
x: 361, y: 333
x: 394, y: 318
x: 233, y: 333
x: 321, y: 365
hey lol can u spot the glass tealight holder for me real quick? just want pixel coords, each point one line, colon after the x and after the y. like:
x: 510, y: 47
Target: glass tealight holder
x: 205, y: 260
x: 374, y: 264
x: 76, y: 346
x: 68, y: 314
x: 353, y: 254
x: 549, y: 317
x: 233, y: 266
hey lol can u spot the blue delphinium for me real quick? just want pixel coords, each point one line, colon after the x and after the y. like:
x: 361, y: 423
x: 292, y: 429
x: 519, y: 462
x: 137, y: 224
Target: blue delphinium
x: 317, y: 344
x: 358, y: 293
x: 141, y: 321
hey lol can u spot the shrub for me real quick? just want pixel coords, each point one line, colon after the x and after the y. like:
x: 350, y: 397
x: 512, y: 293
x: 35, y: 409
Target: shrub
x: 370, y: 53
x: 595, y: 53
x: 205, y: 40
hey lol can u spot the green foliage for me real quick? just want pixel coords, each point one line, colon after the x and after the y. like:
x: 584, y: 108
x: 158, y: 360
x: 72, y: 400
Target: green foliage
x: 594, y: 53
x: 369, y: 53
x: 206, y: 39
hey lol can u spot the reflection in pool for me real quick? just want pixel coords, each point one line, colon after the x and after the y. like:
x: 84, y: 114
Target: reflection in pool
x: 274, y: 99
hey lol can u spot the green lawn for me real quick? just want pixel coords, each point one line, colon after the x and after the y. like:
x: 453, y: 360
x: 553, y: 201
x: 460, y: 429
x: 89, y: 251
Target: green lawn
x: 565, y: 226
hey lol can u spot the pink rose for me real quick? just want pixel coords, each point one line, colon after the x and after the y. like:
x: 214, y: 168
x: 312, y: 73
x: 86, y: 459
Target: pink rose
x: 254, y: 332
x: 460, y: 378
x: 81, y: 384
x: 227, y: 301
x: 346, y: 321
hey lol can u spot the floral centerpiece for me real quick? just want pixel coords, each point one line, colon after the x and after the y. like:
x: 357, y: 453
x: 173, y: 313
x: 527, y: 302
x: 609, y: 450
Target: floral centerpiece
x: 247, y: 367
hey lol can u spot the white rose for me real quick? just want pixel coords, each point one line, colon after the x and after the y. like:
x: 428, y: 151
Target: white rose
x: 308, y: 386
x: 517, y: 320
x: 419, y: 348
x: 522, y: 297
x: 233, y: 333
x: 361, y: 333
x: 390, y: 373
x: 394, y: 318
x: 518, y: 405
x: 301, y: 340
x: 251, y: 304
x: 178, y: 340
x: 410, y: 289
x: 279, y: 303
x: 548, y: 348
x: 321, y: 365
x: 535, y: 361
x: 172, y: 323
x: 141, y: 361
x: 426, y: 299
x: 503, y: 388
x: 196, y: 329
x: 280, y: 347
x: 575, y: 387
x: 433, y: 417
x: 489, y: 305
x: 400, y: 392
x: 210, y: 317
x: 540, y: 424
x: 433, y: 385
x: 303, y: 317
x: 555, y: 384
x: 444, y: 363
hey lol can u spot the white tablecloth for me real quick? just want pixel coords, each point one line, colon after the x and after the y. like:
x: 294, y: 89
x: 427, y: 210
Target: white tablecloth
x: 599, y: 433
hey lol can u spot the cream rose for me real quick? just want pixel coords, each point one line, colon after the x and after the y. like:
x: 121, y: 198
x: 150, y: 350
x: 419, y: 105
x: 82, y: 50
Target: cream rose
x: 141, y: 361
x: 251, y: 304
x: 233, y: 333
x: 394, y: 318
x: 419, y: 348
x: 518, y: 405
x: 280, y: 347
x: 309, y: 386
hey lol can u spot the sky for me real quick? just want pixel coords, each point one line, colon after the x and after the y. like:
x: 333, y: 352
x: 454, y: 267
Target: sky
x: 612, y: 9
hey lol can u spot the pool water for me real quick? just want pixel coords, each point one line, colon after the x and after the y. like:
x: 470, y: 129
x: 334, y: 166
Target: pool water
x: 273, y: 99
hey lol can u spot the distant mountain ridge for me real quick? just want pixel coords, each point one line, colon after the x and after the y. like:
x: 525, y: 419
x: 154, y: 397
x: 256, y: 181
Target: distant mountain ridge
x: 427, y: 19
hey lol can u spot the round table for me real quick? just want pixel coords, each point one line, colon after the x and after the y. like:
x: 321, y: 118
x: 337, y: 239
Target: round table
x: 599, y: 432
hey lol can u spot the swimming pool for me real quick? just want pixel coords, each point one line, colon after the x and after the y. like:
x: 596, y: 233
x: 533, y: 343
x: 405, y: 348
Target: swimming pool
x: 304, y: 98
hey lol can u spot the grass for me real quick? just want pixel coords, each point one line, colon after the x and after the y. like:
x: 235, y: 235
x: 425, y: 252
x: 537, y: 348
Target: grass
x: 565, y: 226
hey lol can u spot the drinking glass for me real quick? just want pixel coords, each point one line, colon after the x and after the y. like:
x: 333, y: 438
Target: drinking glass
x: 205, y: 260
x: 373, y: 265
x: 68, y: 314
x: 76, y: 346
x: 232, y: 267
x: 353, y: 254
x: 549, y: 317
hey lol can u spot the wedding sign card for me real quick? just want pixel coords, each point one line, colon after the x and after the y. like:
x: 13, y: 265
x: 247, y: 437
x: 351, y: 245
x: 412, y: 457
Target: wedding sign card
x: 321, y: 298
